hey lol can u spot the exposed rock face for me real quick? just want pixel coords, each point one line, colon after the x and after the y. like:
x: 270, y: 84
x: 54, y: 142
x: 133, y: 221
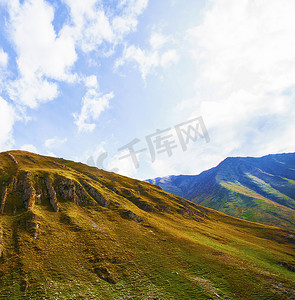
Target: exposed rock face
x: 95, y: 194
x: 132, y: 196
x: 51, y: 194
x: 28, y: 191
x: 71, y: 190
x: 66, y: 189
x: 35, y: 229
x: 131, y: 215
x: 33, y: 224
x: 3, y: 199
x: 1, y: 243
x: 13, y: 158
x: 143, y: 205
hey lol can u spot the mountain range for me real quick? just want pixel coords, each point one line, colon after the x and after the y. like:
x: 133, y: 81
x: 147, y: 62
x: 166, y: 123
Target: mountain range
x: 255, y: 189
x: 70, y: 231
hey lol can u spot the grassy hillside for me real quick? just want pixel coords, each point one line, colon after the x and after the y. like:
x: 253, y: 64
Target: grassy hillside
x: 254, y: 189
x: 69, y: 231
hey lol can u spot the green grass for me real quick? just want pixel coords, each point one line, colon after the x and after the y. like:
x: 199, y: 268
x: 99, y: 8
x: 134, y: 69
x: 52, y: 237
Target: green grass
x: 179, y: 250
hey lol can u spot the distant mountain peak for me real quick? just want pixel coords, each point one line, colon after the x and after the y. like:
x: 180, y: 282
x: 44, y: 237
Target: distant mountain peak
x: 260, y: 189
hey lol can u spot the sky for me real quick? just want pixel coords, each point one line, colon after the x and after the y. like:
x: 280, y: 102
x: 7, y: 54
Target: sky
x: 147, y: 88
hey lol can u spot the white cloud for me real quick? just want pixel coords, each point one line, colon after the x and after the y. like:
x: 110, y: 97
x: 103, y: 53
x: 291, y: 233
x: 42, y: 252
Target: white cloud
x: 3, y: 59
x: 164, y: 167
x: 168, y: 58
x: 147, y: 60
x: 32, y: 91
x: 247, y: 45
x: 7, y: 119
x: 91, y: 81
x: 46, y: 57
x: 245, y: 64
x: 29, y: 148
x: 42, y: 56
x: 122, y: 166
x: 93, y: 104
x: 91, y: 27
x: 158, y: 40
x: 40, y: 51
x: 54, y: 142
x: 127, y: 21
x: 3, y: 68
x: 50, y: 154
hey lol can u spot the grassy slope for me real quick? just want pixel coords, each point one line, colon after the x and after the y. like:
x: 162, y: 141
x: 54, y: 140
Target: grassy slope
x: 169, y: 255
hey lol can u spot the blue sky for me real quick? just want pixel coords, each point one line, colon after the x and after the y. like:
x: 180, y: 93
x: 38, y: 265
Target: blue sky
x: 81, y: 79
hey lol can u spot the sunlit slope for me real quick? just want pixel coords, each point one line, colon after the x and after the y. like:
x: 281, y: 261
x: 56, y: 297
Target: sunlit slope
x: 69, y: 231
x: 255, y: 189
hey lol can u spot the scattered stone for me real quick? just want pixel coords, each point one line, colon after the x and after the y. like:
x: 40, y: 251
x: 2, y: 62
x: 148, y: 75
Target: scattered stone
x: 104, y: 274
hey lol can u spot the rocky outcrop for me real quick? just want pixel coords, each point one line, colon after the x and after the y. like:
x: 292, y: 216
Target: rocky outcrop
x: 3, y: 199
x: 29, y: 193
x: 52, y: 194
x: 26, y: 187
x: 35, y: 229
x: 71, y: 190
x: 131, y: 215
x: 132, y: 196
x: 67, y: 190
x: 1, y: 243
x: 33, y: 224
x: 141, y: 204
x: 12, y: 158
x: 13, y: 184
x: 95, y: 194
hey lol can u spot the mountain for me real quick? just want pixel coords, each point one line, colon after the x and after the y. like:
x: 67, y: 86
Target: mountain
x: 70, y: 231
x: 255, y: 189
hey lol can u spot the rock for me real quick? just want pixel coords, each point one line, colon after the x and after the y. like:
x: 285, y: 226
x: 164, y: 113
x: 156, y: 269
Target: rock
x: 33, y: 225
x: 71, y: 190
x: 161, y: 207
x: 25, y: 285
x: 52, y: 194
x: 1, y: 243
x: 104, y: 274
x: 144, y: 206
x: 13, y: 158
x: 26, y: 187
x: 3, y: 199
x: 95, y: 194
x: 287, y: 265
x: 131, y: 215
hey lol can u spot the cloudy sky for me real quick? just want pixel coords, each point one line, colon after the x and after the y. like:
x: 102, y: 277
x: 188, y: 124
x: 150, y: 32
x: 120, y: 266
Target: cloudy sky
x: 148, y: 88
